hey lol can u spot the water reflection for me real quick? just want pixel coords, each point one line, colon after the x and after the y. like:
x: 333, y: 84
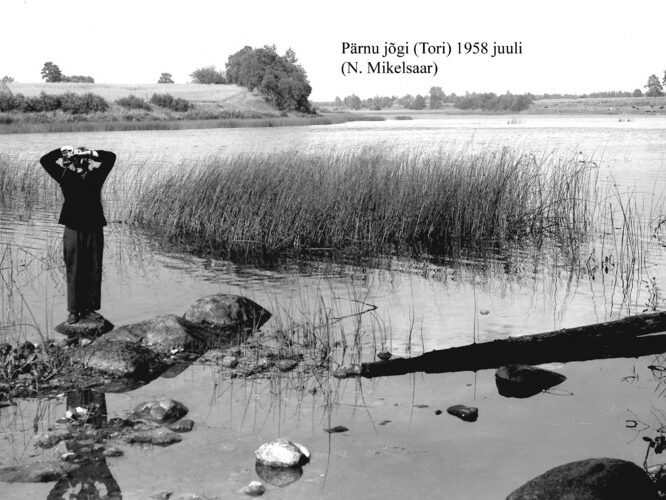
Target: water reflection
x: 92, y: 480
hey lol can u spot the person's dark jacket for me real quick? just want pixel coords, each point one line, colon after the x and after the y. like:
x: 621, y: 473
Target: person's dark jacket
x: 82, y: 209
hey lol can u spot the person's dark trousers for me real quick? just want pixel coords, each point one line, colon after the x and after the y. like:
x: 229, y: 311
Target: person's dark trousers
x: 83, y: 259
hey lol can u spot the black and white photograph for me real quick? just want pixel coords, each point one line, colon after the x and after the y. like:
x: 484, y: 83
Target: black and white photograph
x: 332, y: 250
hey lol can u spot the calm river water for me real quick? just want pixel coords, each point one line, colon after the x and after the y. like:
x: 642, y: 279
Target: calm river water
x: 420, y: 306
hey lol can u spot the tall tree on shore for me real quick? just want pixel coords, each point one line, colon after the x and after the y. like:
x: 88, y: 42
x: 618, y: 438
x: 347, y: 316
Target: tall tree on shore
x: 654, y: 87
x: 165, y: 78
x: 437, y: 97
x: 278, y: 78
x: 418, y: 103
x: 352, y: 102
x: 51, y: 72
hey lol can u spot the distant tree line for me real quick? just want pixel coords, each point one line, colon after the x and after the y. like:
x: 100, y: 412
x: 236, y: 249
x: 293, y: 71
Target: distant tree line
x: 493, y: 102
x: 436, y: 99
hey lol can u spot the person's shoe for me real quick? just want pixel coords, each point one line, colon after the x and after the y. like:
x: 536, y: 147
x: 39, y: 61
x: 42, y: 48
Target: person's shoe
x: 91, y: 316
x: 72, y: 318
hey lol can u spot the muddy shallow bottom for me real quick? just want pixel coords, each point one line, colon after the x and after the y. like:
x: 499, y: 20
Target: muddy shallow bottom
x: 395, y: 447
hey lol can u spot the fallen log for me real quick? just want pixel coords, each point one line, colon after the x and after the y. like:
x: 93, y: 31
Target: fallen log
x: 624, y: 338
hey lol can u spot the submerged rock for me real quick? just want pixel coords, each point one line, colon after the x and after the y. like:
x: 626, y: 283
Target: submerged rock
x: 165, y: 334
x: 282, y: 453
x: 160, y: 410
x: 229, y: 361
x: 278, y: 476
x: 384, y: 355
x: 254, y: 489
x: 591, y: 479
x: 37, y: 472
x: 185, y: 425
x: 88, y: 329
x: 523, y: 381
x: 466, y: 413
x: 337, y: 428
x: 113, y: 452
x: 157, y: 437
x: 226, y: 312
x: 120, y: 359
x: 286, y: 364
x: 162, y: 495
x: 53, y: 437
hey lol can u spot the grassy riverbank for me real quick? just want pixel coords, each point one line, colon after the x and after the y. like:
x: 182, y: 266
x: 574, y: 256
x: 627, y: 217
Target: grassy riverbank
x: 371, y: 201
x: 180, y: 123
x: 210, y: 106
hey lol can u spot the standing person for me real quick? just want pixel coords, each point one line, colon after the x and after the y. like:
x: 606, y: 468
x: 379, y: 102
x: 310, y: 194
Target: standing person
x: 81, y: 177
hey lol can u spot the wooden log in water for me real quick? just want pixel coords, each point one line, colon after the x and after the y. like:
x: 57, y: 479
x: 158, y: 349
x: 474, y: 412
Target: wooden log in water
x: 627, y: 338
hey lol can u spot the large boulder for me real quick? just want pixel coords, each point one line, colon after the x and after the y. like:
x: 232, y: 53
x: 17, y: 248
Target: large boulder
x: 592, y: 479
x: 282, y: 453
x: 165, y: 334
x: 120, y: 359
x: 523, y: 381
x: 226, y: 313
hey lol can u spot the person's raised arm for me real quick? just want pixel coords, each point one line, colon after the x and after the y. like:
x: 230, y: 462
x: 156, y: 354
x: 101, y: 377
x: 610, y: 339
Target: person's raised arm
x: 49, y: 162
x: 106, y: 160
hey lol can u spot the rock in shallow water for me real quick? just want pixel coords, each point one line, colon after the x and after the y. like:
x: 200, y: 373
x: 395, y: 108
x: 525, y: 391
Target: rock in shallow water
x: 337, y: 428
x: 282, y: 453
x: 286, y: 364
x: 254, y: 489
x: 227, y: 312
x: 185, y: 425
x: 160, y: 410
x: 523, y: 381
x: 120, y: 359
x: 88, y: 329
x: 592, y: 479
x: 466, y: 413
x: 157, y: 437
x: 164, y: 334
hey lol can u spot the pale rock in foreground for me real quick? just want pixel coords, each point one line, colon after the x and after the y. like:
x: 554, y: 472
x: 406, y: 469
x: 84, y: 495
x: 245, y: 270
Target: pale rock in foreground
x: 254, y: 489
x: 282, y: 453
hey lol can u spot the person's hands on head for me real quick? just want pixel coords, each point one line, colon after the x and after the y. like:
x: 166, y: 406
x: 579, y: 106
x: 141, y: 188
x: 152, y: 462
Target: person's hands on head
x: 81, y: 152
x: 79, y: 160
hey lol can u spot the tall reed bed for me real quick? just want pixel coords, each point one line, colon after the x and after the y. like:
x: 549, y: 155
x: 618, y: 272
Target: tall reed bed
x: 373, y: 200
x: 23, y: 180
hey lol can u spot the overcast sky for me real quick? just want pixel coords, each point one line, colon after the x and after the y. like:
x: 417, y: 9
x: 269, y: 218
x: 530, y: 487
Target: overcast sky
x: 567, y: 46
